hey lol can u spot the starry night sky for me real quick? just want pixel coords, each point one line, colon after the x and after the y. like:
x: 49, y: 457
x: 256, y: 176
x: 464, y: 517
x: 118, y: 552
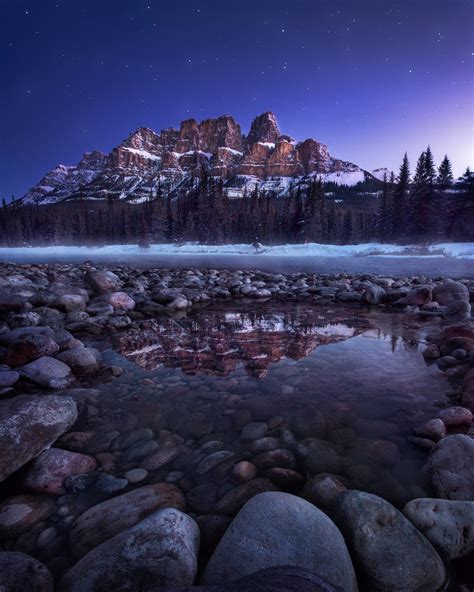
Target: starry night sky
x: 369, y: 78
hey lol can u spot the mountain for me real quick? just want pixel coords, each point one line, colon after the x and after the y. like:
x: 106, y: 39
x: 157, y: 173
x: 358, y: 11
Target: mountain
x: 171, y: 160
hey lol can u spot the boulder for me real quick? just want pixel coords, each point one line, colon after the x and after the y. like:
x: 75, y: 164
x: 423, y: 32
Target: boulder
x: 374, y: 295
x: 273, y: 579
x: 120, y: 301
x: 102, y: 282
x: 29, y: 425
x: 48, y: 372
x: 29, y: 348
x: 448, y: 525
x: 8, y: 378
x: 161, y: 550
x: 12, y: 302
x: 454, y: 416
x: 323, y: 491
x: 108, y: 518
x: 277, y: 529
x: 72, y: 302
x: 48, y: 471
x: 434, y: 429
x: 450, y: 467
x: 449, y: 291
x: 388, y: 551
x: 19, y: 572
x: 21, y: 512
x: 236, y: 497
x: 458, y: 310
x: 82, y: 360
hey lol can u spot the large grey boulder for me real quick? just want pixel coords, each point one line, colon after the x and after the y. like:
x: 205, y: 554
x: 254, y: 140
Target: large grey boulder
x: 159, y: 551
x: 48, y: 372
x: 276, y: 529
x: 450, y: 467
x: 82, y: 360
x: 102, y: 281
x: 115, y: 515
x: 448, y: 525
x: 390, y: 554
x: 19, y: 572
x: 273, y: 579
x: 449, y: 291
x: 29, y: 425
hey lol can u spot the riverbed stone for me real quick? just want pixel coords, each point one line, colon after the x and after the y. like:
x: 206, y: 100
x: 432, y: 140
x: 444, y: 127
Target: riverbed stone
x: 29, y: 425
x: 82, y: 360
x: 449, y: 291
x: 448, y: 525
x: 450, y: 467
x: 323, y: 491
x: 21, y: 512
x: 388, y: 551
x: 102, y: 281
x: 434, y: 429
x: 28, y: 348
x: 236, y: 497
x: 274, y: 529
x: 48, y: 372
x: 254, y: 431
x: 20, y: 572
x: 159, y: 551
x: 108, y: 518
x: 48, y: 472
x: 455, y: 416
x: 8, y: 378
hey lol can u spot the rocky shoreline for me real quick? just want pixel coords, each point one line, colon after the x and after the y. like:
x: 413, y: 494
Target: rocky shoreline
x: 132, y: 507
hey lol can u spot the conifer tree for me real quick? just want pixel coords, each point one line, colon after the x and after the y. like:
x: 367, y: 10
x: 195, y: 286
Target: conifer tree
x: 401, y: 199
x: 445, y: 173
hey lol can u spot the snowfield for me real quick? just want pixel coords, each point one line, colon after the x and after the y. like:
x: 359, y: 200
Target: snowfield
x: 454, y: 250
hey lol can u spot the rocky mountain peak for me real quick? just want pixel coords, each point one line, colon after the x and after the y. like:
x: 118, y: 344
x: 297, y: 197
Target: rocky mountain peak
x: 143, y: 138
x: 264, y: 129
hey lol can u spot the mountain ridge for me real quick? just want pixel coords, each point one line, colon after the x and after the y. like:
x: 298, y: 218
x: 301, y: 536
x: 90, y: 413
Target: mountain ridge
x: 148, y: 162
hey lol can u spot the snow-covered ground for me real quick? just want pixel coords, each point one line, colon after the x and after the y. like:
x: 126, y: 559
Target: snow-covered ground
x: 455, y: 250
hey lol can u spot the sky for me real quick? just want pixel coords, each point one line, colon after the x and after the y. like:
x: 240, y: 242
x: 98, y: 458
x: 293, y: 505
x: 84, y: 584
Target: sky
x: 370, y: 79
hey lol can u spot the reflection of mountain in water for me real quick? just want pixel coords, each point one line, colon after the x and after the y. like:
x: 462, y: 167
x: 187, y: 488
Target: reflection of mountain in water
x: 216, y: 341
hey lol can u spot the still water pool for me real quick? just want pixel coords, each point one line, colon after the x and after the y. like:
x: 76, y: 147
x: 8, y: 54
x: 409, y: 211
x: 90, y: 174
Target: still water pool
x: 339, y: 390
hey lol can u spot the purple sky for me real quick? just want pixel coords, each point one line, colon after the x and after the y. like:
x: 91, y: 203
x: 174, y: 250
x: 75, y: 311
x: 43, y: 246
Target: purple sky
x: 370, y: 79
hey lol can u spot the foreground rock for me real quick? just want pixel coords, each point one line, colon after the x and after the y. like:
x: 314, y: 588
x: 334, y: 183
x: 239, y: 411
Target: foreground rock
x: 48, y: 372
x: 159, y: 551
x: 21, y: 512
x: 29, y: 425
x: 20, y: 572
x: 448, y: 525
x: 274, y: 579
x: 275, y: 529
x: 450, y: 467
x: 48, y: 472
x: 107, y: 519
x: 389, y: 552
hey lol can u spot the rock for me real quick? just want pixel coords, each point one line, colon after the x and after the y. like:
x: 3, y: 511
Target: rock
x: 446, y: 362
x: 270, y: 531
x: 8, y: 378
x: 120, y: 301
x: 47, y: 472
x: 12, y: 302
x: 213, y: 460
x: 109, y: 484
x: 20, y: 572
x: 323, y: 491
x: 321, y: 457
x: 29, y: 348
x: 48, y: 372
x: 179, y: 303
x: 202, y: 498
x: 264, y: 445
x: 434, y: 429
x: 82, y: 360
x: 28, y: 425
x: 418, y: 296
x: 274, y: 579
x: 286, y: 479
x: 167, y: 295
x: 102, y: 281
x: 280, y: 457
x: 451, y: 469
x: 446, y: 524
x: 389, y: 552
x: 72, y: 302
x: 254, y: 431
x: 136, y: 475
x: 161, y: 550
x: 458, y: 310
x: 454, y: 416
x: 244, y: 471
x: 236, y: 497
x: 374, y: 295
x: 162, y: 457
x: 108, y: 518
x: 449, y: 291
x: 21, y: 512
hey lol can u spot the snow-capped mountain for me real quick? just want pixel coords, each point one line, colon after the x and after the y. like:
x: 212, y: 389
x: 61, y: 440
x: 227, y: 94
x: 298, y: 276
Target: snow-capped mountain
x: 147, y: 161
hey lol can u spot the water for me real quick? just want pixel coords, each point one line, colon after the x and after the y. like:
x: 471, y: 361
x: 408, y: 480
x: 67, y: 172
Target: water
x: 395, y: 266
x: 356, y: 381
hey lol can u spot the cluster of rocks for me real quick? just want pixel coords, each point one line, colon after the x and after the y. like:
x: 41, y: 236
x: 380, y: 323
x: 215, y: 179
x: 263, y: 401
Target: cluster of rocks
x: 95, y: 499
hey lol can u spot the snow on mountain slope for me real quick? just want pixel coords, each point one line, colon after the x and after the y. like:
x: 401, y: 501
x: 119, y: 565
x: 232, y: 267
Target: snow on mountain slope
x: 146, y: 162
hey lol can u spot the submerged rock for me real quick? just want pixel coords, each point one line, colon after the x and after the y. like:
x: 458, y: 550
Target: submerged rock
x: 108, y: 518
x: 19, y: 572
x: 161, y: 550
x: 276, y: 529
x: 29, y: 425
x: 21, y: 512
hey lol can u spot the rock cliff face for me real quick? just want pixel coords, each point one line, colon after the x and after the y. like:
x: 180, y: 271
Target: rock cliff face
x: 147, y: 161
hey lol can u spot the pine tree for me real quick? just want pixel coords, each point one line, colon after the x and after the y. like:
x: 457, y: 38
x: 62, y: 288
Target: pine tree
x: 401, y: 200
x: 445, y: 173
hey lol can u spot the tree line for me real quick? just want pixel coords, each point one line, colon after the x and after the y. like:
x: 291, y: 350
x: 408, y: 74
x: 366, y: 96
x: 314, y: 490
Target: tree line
x: 428, y: 207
